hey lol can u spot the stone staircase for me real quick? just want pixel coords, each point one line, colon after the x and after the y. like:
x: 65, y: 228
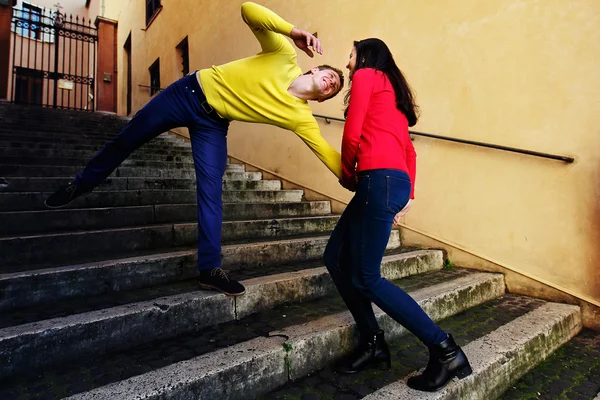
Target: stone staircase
x: 99, y: 301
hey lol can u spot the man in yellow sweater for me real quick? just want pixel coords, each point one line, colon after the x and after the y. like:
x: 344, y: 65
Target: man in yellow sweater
x: 268, y: 87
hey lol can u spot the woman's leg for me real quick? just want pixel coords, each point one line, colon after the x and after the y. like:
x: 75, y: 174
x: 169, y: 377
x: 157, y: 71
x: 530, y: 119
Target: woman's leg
x: 337, y: 259
x: 386, y: 192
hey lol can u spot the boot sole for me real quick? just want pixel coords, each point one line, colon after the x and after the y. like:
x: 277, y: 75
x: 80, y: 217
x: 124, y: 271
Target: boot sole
x: 460, y: 374
x: 210, y: 287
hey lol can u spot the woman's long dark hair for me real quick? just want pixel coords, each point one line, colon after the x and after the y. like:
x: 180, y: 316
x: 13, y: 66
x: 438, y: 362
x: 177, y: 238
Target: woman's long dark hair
x: 374, y: 53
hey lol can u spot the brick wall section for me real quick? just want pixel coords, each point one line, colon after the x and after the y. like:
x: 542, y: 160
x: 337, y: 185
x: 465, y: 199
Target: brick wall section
x: 106, y: 92
x: 5, y: 17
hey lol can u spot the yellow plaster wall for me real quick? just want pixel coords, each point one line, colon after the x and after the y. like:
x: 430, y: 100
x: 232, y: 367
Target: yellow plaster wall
x: 522, y: 73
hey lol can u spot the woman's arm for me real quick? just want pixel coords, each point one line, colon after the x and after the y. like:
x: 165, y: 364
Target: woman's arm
x: 360, y: 97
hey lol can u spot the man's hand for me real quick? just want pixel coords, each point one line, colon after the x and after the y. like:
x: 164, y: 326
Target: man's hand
x: 402, y: 213
x: 304, y: 41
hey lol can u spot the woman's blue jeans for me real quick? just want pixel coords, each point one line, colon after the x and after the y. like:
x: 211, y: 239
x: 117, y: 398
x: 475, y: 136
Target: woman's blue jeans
x: 181, y: 104
x: 354, y: 252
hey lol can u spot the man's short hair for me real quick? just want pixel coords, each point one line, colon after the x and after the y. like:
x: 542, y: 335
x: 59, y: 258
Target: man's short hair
x: 337, y: 71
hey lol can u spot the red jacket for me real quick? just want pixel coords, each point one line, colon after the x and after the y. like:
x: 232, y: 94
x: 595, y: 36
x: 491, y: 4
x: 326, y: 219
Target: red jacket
x: 376, y: 132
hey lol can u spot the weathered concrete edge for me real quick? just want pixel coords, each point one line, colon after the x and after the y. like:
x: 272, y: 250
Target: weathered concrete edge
x: 267, y: 292
x: 233, y: 373
x: 106, y: 330
x: 424, y: 261
x: 127, y: 273
x: 36, y: 344
x: 502, y: 357
x: 319, y: 342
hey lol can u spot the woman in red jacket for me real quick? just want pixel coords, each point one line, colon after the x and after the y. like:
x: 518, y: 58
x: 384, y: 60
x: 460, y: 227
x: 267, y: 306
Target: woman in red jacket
x: 379, y: 163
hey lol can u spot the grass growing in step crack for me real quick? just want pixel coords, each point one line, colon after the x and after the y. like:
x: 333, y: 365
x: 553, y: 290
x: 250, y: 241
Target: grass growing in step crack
x: 448, y: 265
x: 570, y: 373
x: 288, y: 360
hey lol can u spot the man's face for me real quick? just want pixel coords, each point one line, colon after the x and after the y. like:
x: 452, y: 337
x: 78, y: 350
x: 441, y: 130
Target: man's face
x: 327, y: 83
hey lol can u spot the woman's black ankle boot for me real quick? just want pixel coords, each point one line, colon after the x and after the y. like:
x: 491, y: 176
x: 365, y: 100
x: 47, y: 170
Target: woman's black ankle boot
x: 446, y: 360
x: 372, y: 352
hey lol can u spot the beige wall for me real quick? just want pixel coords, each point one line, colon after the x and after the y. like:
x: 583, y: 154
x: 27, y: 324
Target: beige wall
x: 520, y: 73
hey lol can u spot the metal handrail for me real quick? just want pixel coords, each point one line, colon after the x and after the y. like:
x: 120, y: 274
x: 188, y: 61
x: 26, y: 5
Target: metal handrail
x: 326, y: 118
x: 472, y: 142
x: 152, y: 87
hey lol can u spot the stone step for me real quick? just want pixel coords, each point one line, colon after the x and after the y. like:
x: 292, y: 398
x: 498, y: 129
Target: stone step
x: 494, y: 331
x: 59, y: 152
x: 58, y: 132
x: 68, y: 220
x: 573, y: 371
x: 46, y: 117
x: 80, y: 162
x: 152, y: 146
x: 60, y: 135
x: 21, y: 115
x: 141, y: 160
x: 8, y: 171
x: 300, y: 337
x: 27, y: 287
x: 51, y: 293
x: 86, y: 129
x: 34, y: 201
x: 49, y: 184
x: 64, y: 137
x: 29, y: 252
x: 500, y: 358
x: 87, y: 152
x: 59, y: 140
x: 34, y: 344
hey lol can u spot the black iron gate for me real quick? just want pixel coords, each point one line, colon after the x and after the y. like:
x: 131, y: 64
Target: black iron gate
x: 54, y: 59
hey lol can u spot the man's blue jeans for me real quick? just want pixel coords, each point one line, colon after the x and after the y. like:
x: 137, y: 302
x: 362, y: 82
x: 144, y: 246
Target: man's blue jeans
x: 354, y: 252
x: 182, y: 104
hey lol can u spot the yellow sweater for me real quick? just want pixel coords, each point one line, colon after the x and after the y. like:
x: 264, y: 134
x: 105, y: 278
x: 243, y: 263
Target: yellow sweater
x: 255, y: 89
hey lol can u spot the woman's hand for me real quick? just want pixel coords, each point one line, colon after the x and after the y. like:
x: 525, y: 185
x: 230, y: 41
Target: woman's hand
x: 402, y: 213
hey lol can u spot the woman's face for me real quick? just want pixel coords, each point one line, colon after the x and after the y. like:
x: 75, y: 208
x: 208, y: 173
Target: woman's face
x: 352, y: 62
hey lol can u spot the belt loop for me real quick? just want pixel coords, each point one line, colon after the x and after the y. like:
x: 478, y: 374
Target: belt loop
x: 207, y: 107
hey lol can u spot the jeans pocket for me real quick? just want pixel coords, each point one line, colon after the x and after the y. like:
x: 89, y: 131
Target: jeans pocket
x: 397, y: 193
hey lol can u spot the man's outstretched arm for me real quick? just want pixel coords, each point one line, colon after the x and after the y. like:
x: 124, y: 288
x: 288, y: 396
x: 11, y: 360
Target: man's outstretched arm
x: 266, y: 25
x: 311, y: 135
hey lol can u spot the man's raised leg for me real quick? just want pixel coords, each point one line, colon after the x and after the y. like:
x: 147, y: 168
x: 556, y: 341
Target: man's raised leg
x: 165, y: 111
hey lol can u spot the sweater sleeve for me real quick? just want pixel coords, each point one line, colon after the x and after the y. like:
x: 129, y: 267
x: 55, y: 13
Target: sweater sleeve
x: 310, y: 133
x: 266, y: 26
x: 360, y: 97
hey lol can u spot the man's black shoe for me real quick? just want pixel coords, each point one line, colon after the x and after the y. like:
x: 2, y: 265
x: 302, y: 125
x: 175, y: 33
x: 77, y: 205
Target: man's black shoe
x: 66, y: 194
x: 218, y: 279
